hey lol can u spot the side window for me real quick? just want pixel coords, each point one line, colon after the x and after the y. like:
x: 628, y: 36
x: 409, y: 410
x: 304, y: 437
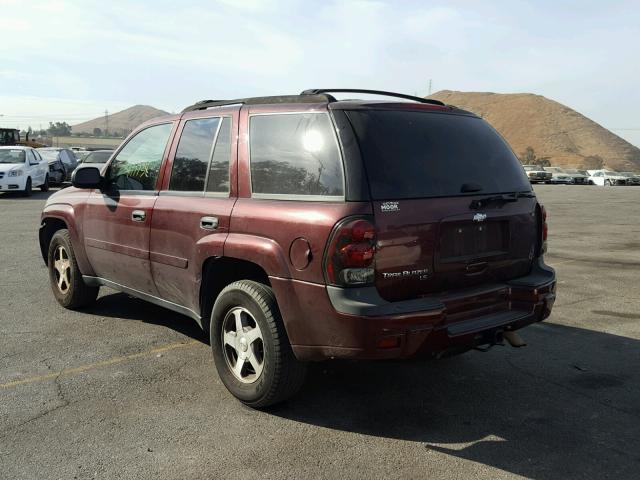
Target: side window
x: 218, y: 180
x: 31, y: 159
x: 37, y: 155
x: 295, y: 154
x: 137, y: 165
x: 192, y: 156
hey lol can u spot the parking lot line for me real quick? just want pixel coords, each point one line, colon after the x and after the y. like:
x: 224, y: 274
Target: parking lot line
x: 92, y: 366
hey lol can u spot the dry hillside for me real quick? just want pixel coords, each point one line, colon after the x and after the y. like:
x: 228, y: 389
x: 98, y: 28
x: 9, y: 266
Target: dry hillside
x: 550, y: 128
x: 121, y: 122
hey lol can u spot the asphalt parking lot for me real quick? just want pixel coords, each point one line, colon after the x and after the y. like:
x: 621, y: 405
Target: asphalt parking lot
x: 128, y: 390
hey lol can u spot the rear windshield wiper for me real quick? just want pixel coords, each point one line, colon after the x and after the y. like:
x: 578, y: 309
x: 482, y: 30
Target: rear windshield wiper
x: 501, y: 199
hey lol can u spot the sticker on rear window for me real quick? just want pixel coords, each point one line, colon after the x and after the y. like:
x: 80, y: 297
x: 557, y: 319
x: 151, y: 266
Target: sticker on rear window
x: 389, y: 207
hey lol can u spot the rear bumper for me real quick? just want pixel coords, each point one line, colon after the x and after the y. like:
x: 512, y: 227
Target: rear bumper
x: 330, y: 322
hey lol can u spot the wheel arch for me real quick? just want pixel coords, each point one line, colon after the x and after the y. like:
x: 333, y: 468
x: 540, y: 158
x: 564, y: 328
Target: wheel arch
x: 217, y: 273
x: 48, y: 227
x: 56, y: 217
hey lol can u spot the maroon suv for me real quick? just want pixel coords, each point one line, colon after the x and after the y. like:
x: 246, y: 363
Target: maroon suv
x: 300, y: 228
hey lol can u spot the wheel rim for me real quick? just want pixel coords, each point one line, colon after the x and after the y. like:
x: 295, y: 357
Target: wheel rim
x: 62, y: 269
x: 242, y: 345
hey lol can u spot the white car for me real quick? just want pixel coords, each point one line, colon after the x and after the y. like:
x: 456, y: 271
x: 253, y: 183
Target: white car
x: 559, y: 175
x: 22, y: 169
x: 606, y: 178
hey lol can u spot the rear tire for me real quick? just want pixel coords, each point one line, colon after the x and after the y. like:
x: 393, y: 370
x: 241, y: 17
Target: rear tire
x: 64, y: 275
x: 45, y: 186
x: 250, y: 346
x: 27, y: 188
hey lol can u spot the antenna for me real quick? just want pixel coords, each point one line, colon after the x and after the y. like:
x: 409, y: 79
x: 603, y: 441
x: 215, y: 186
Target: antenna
x: 429, y: 87
x: 106, y: 122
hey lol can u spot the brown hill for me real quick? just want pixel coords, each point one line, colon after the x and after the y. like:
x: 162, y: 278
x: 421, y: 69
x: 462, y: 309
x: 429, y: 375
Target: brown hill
x: 120, y: 122
x: 553, y: 130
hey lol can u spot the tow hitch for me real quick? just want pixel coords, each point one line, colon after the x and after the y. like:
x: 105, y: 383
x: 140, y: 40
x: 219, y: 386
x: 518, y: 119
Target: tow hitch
x: 486, y: 340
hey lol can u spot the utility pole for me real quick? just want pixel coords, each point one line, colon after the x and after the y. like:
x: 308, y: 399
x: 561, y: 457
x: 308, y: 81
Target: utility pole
x: 106, y: 122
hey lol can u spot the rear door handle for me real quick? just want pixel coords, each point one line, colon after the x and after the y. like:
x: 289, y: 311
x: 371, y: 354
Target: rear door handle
x: 138, y: 216
x: 209, y: 223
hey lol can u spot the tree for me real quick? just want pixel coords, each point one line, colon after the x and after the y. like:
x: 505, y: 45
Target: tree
x: 593, y: 162
x: 97, y: 132
x: 529, y: 157
x: 59, y: 129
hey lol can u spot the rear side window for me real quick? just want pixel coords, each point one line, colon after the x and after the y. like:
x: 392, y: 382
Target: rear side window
x: 189, y: 170
x: 411, y: 154
x: 137, y: 165
x: 218, y: 178
x: 295, y: 154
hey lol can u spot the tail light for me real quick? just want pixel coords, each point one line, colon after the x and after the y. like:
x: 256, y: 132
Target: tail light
x: 350, y: 257
x: 544, y: 230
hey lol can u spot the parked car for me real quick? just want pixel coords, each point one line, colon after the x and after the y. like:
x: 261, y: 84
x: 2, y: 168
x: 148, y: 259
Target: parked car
x: 57, y: 156
x: 302, y: 228
x: 606, y: 178
x: 558, y: 175
x: 537, y: 174
x: 632, y: 178
x: 22, y: 169
x: 579, y: 177
x: 81, y: 154
x: 98, y: 157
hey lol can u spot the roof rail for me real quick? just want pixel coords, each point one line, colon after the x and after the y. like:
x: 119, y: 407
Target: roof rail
x: 204, y: 104
x: 319, y: 91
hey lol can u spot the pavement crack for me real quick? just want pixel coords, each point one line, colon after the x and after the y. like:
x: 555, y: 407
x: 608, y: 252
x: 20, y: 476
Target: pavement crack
x: 62, y: 400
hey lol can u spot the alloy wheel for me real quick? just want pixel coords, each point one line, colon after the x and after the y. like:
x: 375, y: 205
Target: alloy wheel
x: 242, y: 345
x: 62, y: 269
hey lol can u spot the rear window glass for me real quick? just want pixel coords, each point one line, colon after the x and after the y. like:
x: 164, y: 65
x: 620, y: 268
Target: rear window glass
x: 412, y: 154
x: 192, y: 157
x: 218, y: 179
x: 295, y: 154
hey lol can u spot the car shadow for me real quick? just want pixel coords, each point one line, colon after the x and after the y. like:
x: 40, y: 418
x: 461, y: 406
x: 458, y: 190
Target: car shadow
x: 566, y: 406
x: 123, y: 306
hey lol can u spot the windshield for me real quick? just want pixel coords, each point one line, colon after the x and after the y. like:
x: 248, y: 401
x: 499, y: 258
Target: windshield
x: 411, y: 154
x: 97, y: 157
x: 48, y: 155
x: 12, y: 156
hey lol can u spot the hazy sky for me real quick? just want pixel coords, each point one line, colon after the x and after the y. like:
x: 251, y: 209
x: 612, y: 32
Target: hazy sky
x: 72, y: 60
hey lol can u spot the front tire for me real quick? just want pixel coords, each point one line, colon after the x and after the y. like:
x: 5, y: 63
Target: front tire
x: 607, y: 183
x: 64, y: 275
x: 45, y: 186
x: 250, y: 346
x: 27, y: 188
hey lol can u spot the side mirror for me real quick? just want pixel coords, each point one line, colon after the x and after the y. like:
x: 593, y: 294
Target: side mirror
x: 86, y: 177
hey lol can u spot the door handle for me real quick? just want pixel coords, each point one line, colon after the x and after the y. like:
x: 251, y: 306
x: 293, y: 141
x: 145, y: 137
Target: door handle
x: 138, y: 215
x: 209, y: 223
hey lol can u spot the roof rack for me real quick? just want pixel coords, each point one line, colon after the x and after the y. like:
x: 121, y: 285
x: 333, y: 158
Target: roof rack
x: 319, y: 91
x: 320, y: 95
